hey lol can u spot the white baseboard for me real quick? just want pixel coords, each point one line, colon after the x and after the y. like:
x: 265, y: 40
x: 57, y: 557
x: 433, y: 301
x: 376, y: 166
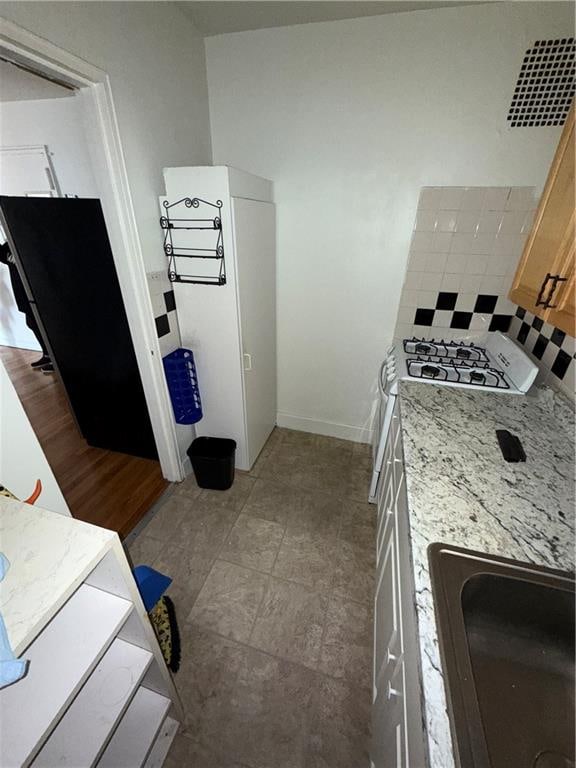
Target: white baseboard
x: 327, y: 428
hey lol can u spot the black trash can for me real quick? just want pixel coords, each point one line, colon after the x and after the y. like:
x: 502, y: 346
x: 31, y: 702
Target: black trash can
x: 213, y: 462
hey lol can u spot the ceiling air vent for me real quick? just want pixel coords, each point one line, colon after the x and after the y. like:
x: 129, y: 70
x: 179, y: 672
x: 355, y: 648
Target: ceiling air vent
x: 545, y: 86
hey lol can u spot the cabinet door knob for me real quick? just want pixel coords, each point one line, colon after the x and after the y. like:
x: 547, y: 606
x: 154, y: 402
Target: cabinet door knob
x: 392, y: 692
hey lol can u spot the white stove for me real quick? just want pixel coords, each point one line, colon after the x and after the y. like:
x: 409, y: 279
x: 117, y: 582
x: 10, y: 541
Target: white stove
x: 495, y: 365
x: 498, y: 364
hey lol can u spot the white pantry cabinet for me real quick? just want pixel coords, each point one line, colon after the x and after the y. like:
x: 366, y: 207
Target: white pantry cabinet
x: 396, y: 711
x: 220, y: 240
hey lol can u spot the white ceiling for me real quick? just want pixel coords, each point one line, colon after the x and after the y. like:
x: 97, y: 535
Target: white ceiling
x: 216, y: 17
x: 19, y: 85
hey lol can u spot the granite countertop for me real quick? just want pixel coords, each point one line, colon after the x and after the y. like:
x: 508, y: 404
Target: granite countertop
x: 462, y: 492
x: 49, y: 555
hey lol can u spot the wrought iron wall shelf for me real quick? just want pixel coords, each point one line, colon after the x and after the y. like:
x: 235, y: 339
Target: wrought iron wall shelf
x: 189, y: 257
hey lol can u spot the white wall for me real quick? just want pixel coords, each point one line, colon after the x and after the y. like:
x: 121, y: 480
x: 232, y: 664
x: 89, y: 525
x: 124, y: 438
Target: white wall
x: 155, y: 59
x: 350, y: 119
x: 58, y: 123
x: 22, y: 460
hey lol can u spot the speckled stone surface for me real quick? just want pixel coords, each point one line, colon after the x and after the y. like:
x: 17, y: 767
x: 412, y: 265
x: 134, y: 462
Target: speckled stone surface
x: 49, y: 556
x: 462, y: 492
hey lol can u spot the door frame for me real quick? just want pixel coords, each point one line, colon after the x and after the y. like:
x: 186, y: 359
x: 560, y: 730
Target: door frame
x: 107, y: 155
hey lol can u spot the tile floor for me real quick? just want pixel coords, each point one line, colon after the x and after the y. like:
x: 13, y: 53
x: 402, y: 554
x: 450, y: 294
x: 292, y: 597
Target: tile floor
x: 273, y: 586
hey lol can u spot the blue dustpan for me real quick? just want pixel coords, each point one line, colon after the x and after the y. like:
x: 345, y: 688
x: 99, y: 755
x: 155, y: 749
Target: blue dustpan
x: 151, y: 584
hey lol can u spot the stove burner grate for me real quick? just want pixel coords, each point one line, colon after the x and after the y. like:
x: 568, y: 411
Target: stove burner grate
x: 477, y: 374
x: 445, y: 349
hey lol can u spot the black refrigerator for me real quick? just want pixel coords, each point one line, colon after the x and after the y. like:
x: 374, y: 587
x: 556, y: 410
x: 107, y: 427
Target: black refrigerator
x: 63, y: 255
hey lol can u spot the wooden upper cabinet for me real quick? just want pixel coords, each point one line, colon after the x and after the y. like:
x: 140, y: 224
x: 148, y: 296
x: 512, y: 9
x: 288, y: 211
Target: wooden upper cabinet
x: 544, y: 282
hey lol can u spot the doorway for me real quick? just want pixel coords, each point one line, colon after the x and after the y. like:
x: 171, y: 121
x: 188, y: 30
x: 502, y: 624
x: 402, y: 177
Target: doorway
x: 101, y: 486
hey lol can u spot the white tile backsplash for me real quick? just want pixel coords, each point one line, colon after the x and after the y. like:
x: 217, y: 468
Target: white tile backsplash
x: 476, y: 264
x: 418, y: 262
x: 421, y: 242
x: 432, y: 281
x: 497, y: 266
x: 158, y: 304
x: 470, y: 283
x: 435, y: 262
x: 441, y: 242
x: 430, y: 199
x: 466, y: 222
x: 465, y: 302
x: 425, y: 221
x: 451, y: 282
x: 410, y: 297
x: 489, y: 222
x: 442, y: 318
x: 427, y: 298
x: 522, y: 199
x: 512, y: 222
x: 495, y: 198
x: 494, y: 285
x: 466, y: 241
x: 412, y: 281
x: 451, y: 198
x: 473, y: 199
x: 445, y: 221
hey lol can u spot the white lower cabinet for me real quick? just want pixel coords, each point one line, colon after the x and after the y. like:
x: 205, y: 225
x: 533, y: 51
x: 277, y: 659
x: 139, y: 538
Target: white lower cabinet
x: 388, y: 711
x: 396, y: 711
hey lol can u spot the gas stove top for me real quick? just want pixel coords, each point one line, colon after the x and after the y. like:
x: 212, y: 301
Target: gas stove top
x: 496, y: 364
x: 453, y: 350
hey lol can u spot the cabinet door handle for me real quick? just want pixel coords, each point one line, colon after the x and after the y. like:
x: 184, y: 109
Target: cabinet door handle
x: 539, y: 301
x: 390, y: 656
x: 247, y: 362
x: 555, y: 280
x: 392, y: 692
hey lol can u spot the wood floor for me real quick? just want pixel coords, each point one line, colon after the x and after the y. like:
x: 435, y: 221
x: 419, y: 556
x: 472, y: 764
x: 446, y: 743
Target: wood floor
x: 101, y: 487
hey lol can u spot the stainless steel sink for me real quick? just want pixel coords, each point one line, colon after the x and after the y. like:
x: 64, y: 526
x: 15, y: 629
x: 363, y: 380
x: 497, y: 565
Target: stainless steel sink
x: 506, y: 634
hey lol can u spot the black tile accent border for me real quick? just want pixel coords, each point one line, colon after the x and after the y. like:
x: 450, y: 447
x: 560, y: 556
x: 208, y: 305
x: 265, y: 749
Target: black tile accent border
x: 523, y: 333
x: 557, y: 337
x: 540, y: 346
x: 162, y: 326
x: 485, y: 304
x: 547, y: 336
x: 446, y: 300
x: 500, y: 323
x: 461, y: 320
x: 537, y: 323
x: 424, y: 317
x: 170, y: 301
x: 561, y: 364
